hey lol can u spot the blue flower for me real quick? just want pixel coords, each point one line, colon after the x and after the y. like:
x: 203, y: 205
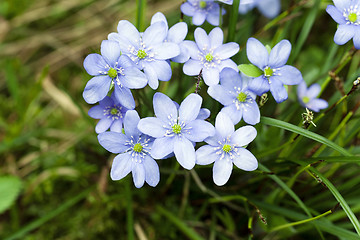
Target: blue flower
x: 269, y: 8
x: 134, y: 153
x: 210, y: 55
x: 111, y: 67
x: 226, y: 148
x: 111, y: 114
x: 276, y: 73
x: 239, y: 102
x: 229, y: 2
x: 200, y: 11
x: 308, y: 97
x: 176, y: 130
x: 347, y: 14
x: 176, y: 34
x: 148, y: 50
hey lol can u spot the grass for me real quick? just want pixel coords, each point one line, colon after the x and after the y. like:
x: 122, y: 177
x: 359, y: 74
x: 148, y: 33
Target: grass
x: 305, y: 188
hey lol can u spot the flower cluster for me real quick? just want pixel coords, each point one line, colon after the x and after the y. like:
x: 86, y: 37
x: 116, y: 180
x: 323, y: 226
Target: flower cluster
x: 130, y: 60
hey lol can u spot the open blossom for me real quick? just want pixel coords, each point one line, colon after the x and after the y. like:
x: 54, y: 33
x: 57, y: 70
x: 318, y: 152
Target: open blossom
x: 268, y: 8
x: 275, y: 73
x: 209, y: 55
x: 111, y: 114
x: 176, y: 130
x: 308, y: 97
x: 134, y: 153
x: 347, y: 14
x: 226, y: 148
x: 201, y: 10
x: 239, y: 102
x: 176, y: 34
x: 111, y: 67
x: 147, y: 50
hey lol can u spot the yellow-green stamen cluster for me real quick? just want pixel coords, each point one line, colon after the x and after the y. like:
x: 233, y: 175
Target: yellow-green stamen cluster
x: 226, y: 148
x: 141, y: 54
x: 352, y: 17
x: 176, y: 128
x: 209, y: 57
x: 138, y: 148
x: 112, y: 73
x: 305, y: 99
x: 268, y: 72
x: 242, y: 97
x: 202, y: 4
x: 114, y: 111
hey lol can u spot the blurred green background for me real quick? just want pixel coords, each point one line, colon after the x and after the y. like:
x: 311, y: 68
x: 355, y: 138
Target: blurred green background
x: 54, y: 176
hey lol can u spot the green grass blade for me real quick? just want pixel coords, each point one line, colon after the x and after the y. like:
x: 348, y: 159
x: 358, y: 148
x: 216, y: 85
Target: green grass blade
x: 305, y: 133
x: 189, y: 232
x: 233, y: 20
x: 140, y: 15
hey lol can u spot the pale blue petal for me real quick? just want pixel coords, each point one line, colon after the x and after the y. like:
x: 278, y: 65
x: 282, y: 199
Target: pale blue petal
x: 302, y: 90
x: 335, y: 14
x: 187, y: 9
x: 159, y: 17
x: 96, y: 112
x: 189, y: 108
x: 280, y: 54
x: 110, y: 50
x: 128, y: 30
x: 103, y: 125
x: 203, y: 114
x: 269, y: 8
x: 152, y: 173
x: 251, y: 113
x: 227, y: 50
x: 245, y: 160
x: 192, y: 49
x: 344, y: 33
x: 356, y: 38
x: 123, y: 42
x: 216, y: 37
x: 278, y: 90
x: 124, y: 96
x: 192, y: 67
x: 313, y: 91
x: 185, y: 153
x: 243, y: 136
x: 116, y: 126
x: 257, y: 53
x: 164, y: 107
x: 125, y: 62
x: 228, y: 63
x: 220, y: 94
x: 341, y: 4
x: 317, y: 104
x: 206, y: 155
x: 177, y: 33
x: 94, y: 64
x: 198, y: 130
x: 288, y: 75
x: 96, y: 89
x: 222, y: 170
x: 245, y: 7
x: 166, y: 50
x: 259, y: 85
x: 162, y: 69
x: 211, y: 76
x: 234, y: 113
x: 121, y: 166
x: 198, y: 18
x: 229, y: 79
x: 138, y: 173
x: 224, y: 125
x: 214, y: 17
x: 131, y: 121
x: 113, y: 142
x: 184, y: 54
x: 162, y: 147
x: 133, y: 78
x: 155, y: 34
x: 151, y: 76
x: 152, y: 126
x: 202, y: 39
x: 213, y: 140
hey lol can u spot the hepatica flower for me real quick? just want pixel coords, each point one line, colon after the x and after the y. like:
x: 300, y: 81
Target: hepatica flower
x: 210, y: 55
x: 176, y: 130
x: 176, y: 34
x: 275, y: 73
x: 268, y: 8
x: 347, y: 14
x: 226, y: 148
x: 111, y: 114
x: 308, y: 97
x: 134, y: 156
x: 147, y: 50
x: 201, y: 10
x: 238, y: 100
x: 111, y: 67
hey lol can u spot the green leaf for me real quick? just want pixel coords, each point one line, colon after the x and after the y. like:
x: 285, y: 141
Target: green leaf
x: 10, y: 187
x: 305, y: 133
x: 250, y: 70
